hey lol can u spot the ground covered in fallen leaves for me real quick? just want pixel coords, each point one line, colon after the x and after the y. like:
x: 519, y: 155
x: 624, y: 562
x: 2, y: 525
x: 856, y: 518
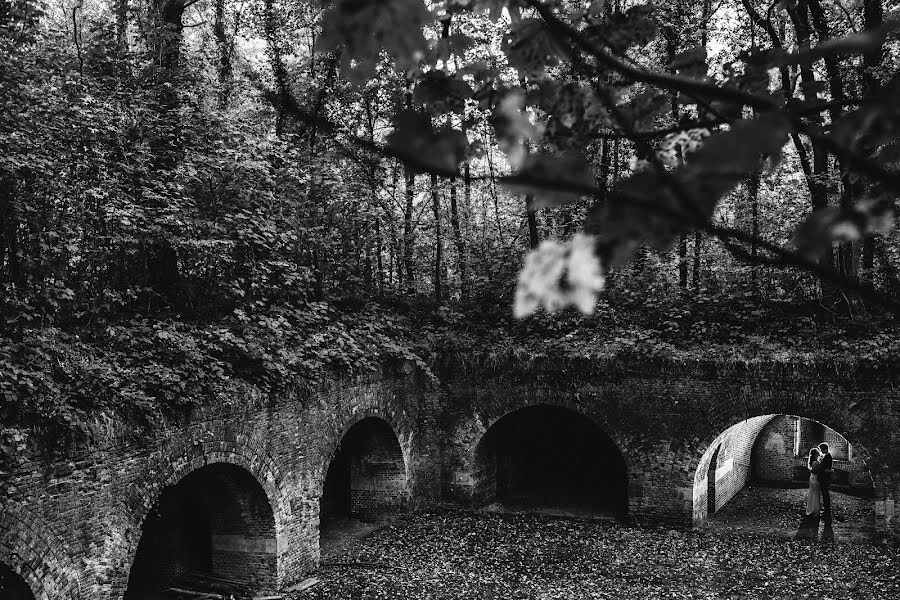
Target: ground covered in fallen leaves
x: 455, y: 554
x: 776, y: 512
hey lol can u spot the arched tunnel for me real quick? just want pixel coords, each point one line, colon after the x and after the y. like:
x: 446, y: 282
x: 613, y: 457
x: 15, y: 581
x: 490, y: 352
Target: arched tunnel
x: 552, y: 457
x: 217, y: 525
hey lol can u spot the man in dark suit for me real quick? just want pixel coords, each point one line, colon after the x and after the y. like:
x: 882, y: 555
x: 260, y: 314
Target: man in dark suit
x: 825, y: 481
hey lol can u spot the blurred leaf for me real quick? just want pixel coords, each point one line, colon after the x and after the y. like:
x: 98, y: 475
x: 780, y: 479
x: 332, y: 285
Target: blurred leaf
x: 361, y: 30
x: 552, y: 179
x: 442, y: 93
x: 634, y: 27
x: 414, y: 140
x: 530, y: 48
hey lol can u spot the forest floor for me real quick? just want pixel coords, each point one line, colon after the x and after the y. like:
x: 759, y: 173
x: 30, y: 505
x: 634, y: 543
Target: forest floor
x: 498, y: 555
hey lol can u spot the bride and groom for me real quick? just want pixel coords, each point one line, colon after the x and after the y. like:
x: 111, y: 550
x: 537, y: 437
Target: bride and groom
x: 818, y: 497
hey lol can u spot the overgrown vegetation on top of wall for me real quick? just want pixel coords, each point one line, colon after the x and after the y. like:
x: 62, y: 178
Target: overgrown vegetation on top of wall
x: 121, y: 379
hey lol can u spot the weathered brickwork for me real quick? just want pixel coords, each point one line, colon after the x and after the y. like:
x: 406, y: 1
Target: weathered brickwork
x: 71, y: 526
x: 80, y: 534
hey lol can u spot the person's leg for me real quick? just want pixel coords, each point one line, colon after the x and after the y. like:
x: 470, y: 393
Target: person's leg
x: 826, y: 504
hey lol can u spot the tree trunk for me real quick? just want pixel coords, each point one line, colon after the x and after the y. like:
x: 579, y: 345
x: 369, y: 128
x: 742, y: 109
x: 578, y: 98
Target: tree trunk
x: 458, y: 236
x: 121, y: 7
x: 753, y: 192
x: 408, y: 230
x: 379, y: 264
x: 438, y: 245
x: 9, y: 228
x: 873, y: 18
x: 847, y: 252
x: 671, y: 50
x: 818, y: 189
x: 224, y: 47
x: 166, y: 142
x: 698, y: 235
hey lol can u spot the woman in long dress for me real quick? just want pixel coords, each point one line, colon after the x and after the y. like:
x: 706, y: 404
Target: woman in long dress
x: 814, y: 494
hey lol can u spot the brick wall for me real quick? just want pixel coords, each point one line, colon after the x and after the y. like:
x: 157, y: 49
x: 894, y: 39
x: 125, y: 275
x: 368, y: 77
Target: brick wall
x: 80, y: 533
x: 731, y: 470
x: 665, y: 419
x: 70, y: 525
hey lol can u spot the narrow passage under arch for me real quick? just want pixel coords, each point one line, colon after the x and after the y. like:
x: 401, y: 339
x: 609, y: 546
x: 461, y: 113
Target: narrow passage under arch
x: 366, y: 478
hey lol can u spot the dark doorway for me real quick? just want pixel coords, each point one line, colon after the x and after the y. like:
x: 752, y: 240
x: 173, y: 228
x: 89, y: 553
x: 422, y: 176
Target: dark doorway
x: 711, y: 481
x: 546, y: 456
x: 215, y: 524
x: 12, y: 586
x: 335, y: 504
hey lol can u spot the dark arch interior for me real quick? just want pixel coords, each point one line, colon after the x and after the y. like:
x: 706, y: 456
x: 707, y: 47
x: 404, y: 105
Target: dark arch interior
x: 12, y: 586
x: 366, y: 479
x: 553, y: 457
x: 213, y: 531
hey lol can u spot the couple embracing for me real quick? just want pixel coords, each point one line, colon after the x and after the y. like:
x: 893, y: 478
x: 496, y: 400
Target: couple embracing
x: 818, y: 497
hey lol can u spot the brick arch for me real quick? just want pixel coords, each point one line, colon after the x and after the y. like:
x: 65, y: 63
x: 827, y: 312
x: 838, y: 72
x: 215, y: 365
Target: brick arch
x: 853, y: 436
x: 560, y: 402
x: 31, y: 550
x: 201, y: 447
x: 485, y: 423
x: 372, y: 493
x: 750, y: 428
x: 359, y: 413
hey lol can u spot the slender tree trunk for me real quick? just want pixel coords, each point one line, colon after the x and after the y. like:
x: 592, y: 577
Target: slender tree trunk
x: 165, y: 144
x: 9, y: 230
x: 873, y: 18
x: 379, y: 266
x: 671, y: 49
x: 753, y: 182
x: 493, y: 187
x: 848, y: 251
x: 458, y: 237
x: 818, y: 186
x: 698, y: 235
x: 438, y: 242
x: 121, y: 7
x: 408, y: 230
x: 224, y: 47
x: 467, y: 197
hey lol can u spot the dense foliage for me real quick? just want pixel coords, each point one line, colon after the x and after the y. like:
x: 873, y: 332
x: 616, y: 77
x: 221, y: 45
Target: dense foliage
x: 204, y: 196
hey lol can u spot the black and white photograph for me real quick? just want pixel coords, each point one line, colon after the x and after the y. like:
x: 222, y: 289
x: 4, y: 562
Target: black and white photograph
x: 449, y: 299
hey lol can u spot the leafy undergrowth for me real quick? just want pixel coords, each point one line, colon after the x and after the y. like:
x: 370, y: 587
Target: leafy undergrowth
x: 628, y: 325
x: 72, y: 385
x: 487, y: 556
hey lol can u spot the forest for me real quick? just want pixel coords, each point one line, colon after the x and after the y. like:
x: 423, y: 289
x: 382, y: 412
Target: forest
x: 203, y: 194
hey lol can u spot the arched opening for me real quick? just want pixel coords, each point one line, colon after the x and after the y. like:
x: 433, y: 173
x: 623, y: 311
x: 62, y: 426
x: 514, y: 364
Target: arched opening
x: 754, y: 476
x: 12, y: 586
x: 212, y: 532
x: 549, y: 457
x: 366, y: 479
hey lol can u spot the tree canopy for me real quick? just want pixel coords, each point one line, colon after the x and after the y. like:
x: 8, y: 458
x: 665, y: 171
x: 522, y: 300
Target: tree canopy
x: 197, y: 194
